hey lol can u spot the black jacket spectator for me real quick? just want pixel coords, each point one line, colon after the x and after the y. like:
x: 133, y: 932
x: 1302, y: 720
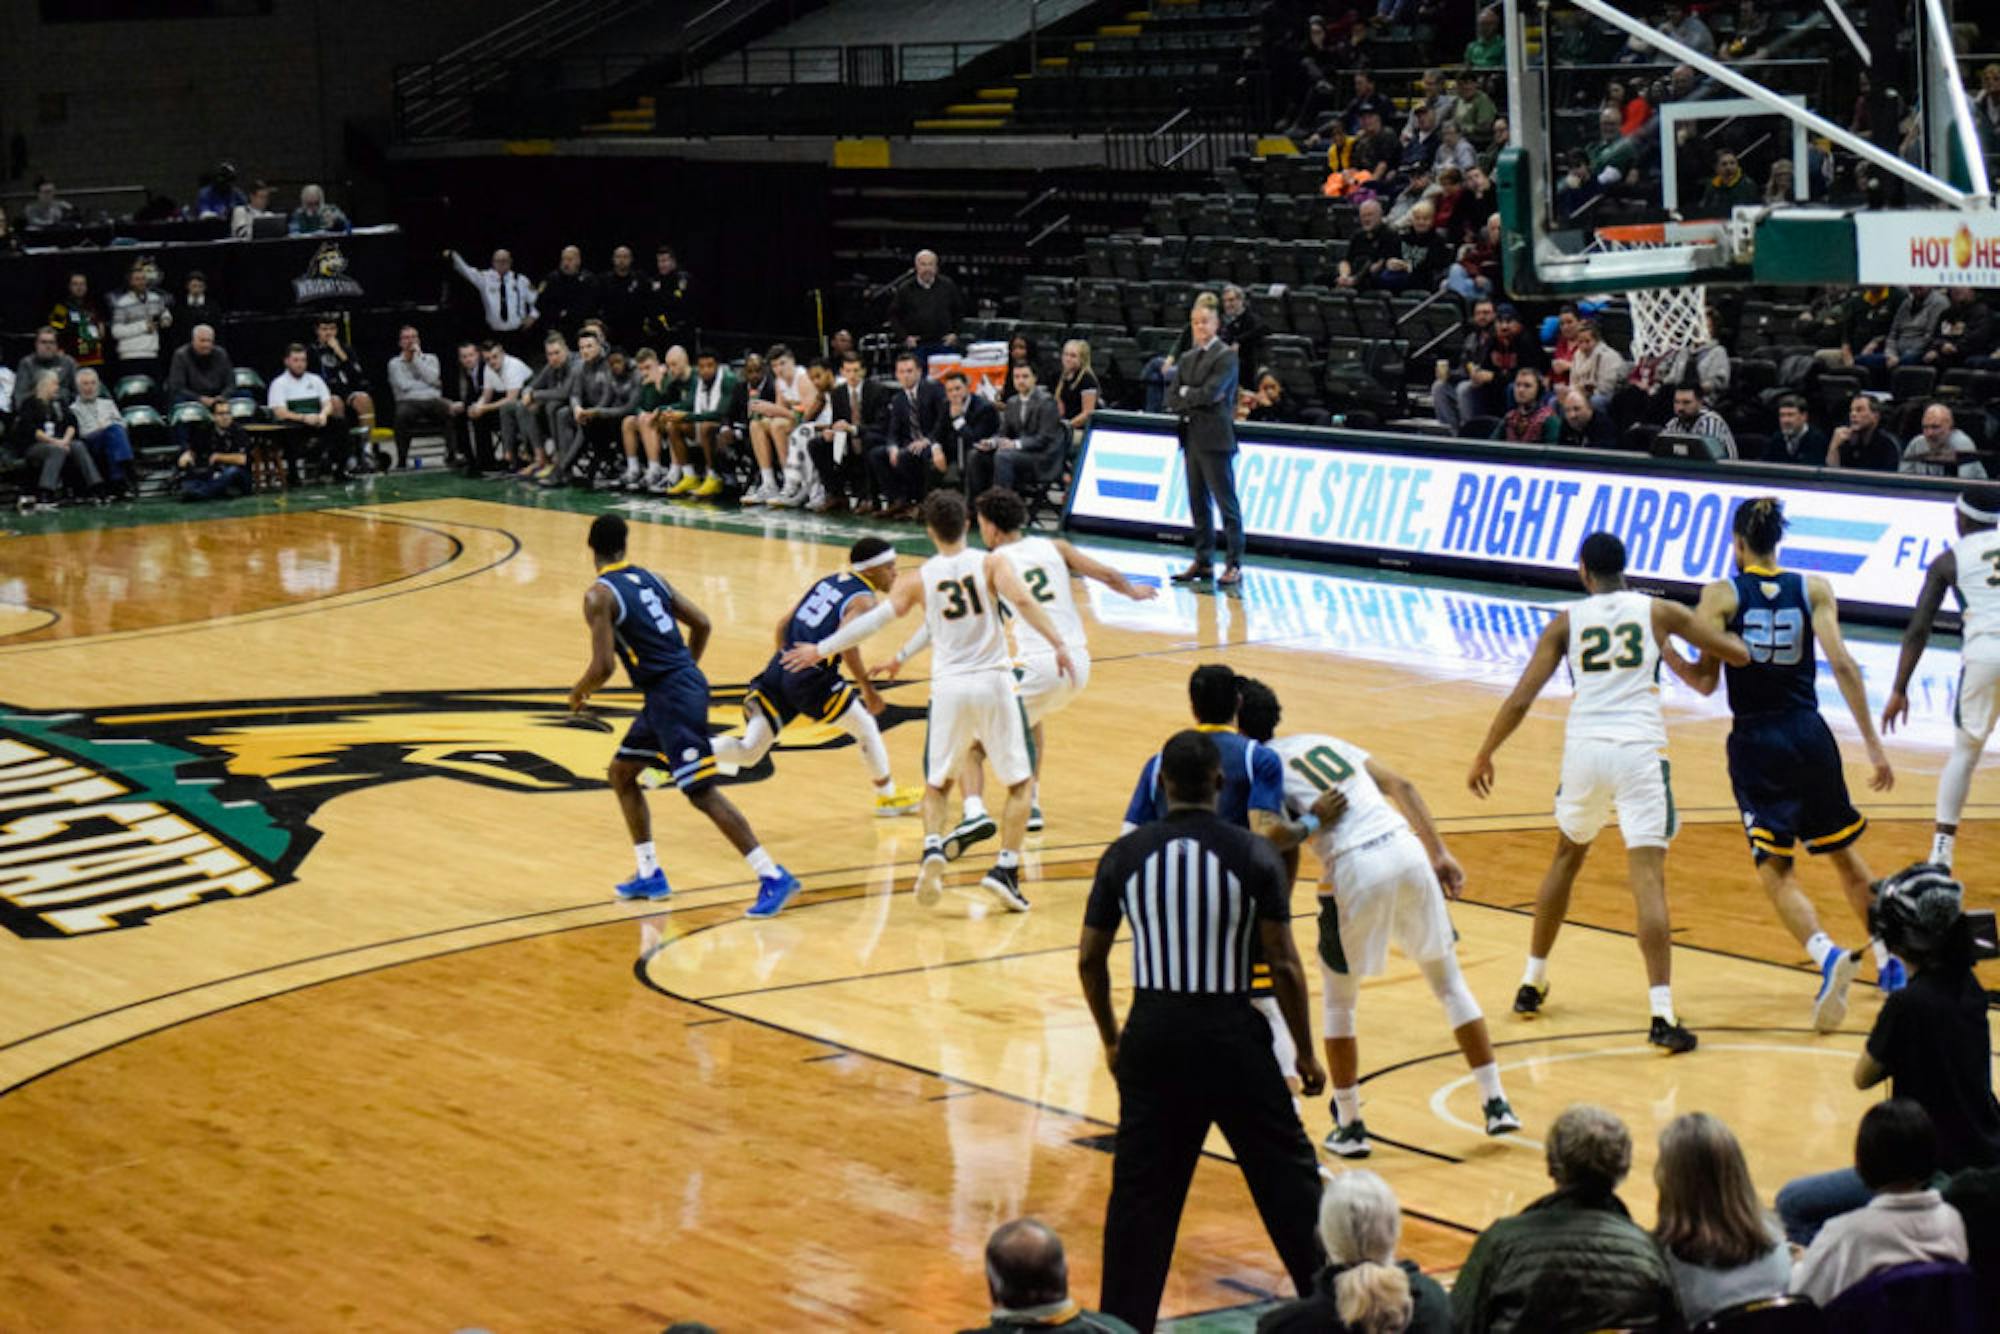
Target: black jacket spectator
x: 343, y: 375
x: 1244, y: 332
x: 621, y: 300
x: 1428, y: 254
x: 1873, y: 450
x: 979, y: 421
x: 918, y: 418
x: 1378, y: 152
x: 567, y: 300
x: 1367, y: 251
x: 873, y: 418
x: 1806, y: 449
x: 669, y: 310
x: 1597, y: 433
x: 1319, y: 1313
x: 192, y: 377
x: 927, y: 314
x: 1931, y: 1038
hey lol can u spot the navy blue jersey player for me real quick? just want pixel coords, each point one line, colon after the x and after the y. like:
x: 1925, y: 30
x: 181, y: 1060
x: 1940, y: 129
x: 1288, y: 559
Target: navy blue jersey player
x: 1783, y: 762
x: 819, y: 692
x: 635, y: 618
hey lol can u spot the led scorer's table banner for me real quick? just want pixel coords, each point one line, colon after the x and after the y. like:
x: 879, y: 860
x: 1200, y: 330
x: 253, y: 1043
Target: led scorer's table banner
x: 1518, y: 518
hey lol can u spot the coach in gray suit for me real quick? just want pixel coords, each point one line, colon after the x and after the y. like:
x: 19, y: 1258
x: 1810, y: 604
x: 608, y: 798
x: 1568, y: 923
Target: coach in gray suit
x: 1204, y: 397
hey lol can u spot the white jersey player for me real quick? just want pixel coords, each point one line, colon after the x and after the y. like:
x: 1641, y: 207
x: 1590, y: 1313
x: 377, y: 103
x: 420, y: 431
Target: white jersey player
x: 973, y: 697
x: 1046, y: 566
x: 1384, y: 873
x: 1614, y: 759
x: 1970, y: 568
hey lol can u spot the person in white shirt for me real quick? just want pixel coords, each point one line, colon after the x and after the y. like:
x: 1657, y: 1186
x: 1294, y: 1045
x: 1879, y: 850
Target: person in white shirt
x: 138, y: 315
x: 1940, y: 449
x: 772, y: 421
x: 506, y: 377
x: 1895, y: 1153
x: 1614, y: 758
x: 507, y: 297
x: 301, y: 398
x: 243, y: 218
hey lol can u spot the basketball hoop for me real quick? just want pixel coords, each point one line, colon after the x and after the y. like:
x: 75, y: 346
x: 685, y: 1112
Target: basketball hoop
x: 1666, y: 319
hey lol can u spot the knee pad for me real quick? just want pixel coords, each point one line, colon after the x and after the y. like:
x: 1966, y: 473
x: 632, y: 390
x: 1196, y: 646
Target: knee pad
x: 1339, y: 994
x: 1448, y: 985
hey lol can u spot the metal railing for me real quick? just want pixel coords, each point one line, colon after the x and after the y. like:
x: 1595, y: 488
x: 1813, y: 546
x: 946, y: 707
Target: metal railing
x: 872, y: 65
x: 1189, y: 140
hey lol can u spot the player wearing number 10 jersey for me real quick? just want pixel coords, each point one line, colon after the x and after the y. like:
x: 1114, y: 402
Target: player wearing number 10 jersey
x: 1783, y: 762
x: 1614, y: 756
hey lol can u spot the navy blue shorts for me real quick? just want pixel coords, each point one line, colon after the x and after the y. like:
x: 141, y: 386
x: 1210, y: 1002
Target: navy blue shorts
x: 820, y: 694
x: 672, y: 732
x: 1785, y: 768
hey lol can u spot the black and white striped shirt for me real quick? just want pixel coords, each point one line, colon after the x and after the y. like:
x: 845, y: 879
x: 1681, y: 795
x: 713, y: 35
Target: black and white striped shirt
x: 1193, y: 889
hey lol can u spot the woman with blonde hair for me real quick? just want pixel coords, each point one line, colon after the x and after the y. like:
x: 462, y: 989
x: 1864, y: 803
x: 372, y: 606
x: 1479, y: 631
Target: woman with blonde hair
x: 1077, y: 388
x: 1722, y: 1248
x: 1364, y: 1289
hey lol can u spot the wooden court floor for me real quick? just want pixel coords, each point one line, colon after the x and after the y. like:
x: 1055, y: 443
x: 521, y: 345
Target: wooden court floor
x: 316, y: 1011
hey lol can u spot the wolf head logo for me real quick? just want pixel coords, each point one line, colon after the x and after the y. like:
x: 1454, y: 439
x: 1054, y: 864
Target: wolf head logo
x: 112, y: 817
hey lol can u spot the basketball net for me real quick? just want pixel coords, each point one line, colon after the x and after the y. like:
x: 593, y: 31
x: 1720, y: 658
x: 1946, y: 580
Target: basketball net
x: 1664, y: 319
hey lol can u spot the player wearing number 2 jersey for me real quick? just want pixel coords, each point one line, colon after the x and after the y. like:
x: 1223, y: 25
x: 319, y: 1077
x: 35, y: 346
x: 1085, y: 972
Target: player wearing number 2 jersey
x: 634, y: 617
x: 1384, y: 871
x: 1613, y: 758
x: 973, y: 699
x: 1783, y: 763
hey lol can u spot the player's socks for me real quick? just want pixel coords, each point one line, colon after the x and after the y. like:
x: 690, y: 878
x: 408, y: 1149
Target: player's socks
x: 975, y: 809
x: 1487, y: 1076
x: 1942, y: 847
x: 1819, y: 946
x: 1347, y: 1104
x: 1882, y: 955
x: 760, y: 862
x: 930, y: 875
x: 1536, y: 974
x: 1660, y: 1002
x: 648, y: 858
x: 770, y: 480
x: 1008, y: 859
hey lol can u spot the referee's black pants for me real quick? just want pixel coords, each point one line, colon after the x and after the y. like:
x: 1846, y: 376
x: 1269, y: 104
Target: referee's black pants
x: 1185, y: 1063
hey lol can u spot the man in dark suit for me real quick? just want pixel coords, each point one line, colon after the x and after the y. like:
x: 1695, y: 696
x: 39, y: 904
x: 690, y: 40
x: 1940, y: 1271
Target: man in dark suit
x: 1204, y: 398
x: 969, y: 420
x: 916, y: 418
x: 1030, y: 442
x: 860, y: 423
x: 1797, y: 440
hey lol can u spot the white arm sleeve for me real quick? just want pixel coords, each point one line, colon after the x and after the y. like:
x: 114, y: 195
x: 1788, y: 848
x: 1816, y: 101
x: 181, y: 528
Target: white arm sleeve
x: 858, y: 629
x: 918, y: 642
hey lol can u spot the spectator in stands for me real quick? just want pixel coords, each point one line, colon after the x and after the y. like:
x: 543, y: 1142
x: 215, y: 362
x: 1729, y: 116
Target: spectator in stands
x: 621, y: 297
x: 1418, y: 188
x: 1452, y: 396
x: 1705, y: 361
x: 1905, y: 1220
x: 6, y: 403
x: 1911, y: 330
x: 45, y: 210
x: 669, y: 302
x: 1375, y: 149
x: 772, y: 421
x: 506, y: 297
x: 215, y: 465
x: 1563, y: 354
x: 1445, y: 203
x: 917, y: 417
x: 48, y: 358
x: 1940, y: 449
x: 1781, y: 184
x: 198, y: 306
x: 1423, y: 258
x: 1319, y: 61
x: 840, y: 448
x: 418, y: 387
x: 44, y: 440
x: 1432, y: 92
x: 1488, y: 47
x: 79, y: 332
x: 1580, y: 423
x: 1496, y: 143
x: 1685, y: 26
x: 1029, y: 443
x: 1027, y: 1278
x: 1964, y: 331
x: 470, y: 431
x: 1077, y: 388
x: 1454, y: 151
x: 138, y: 315
x: 1475, y: 274
x: 1364, y: 1287
x: 1721, y: 1247
x: 1368, y: 250
x: 200, y: 372
x: 970, y: 419
x: 218, y: 196
x: 1693, y: 416
x: 593, y: 416
x: 314, y: 214
x: 1475, y: 112
x: 243, y: 217
x: 353, y: 399
x: 1510, y: 349
x: 501, y: 386
x: 541, y: 398
x: 102, y: 431
x: 1366, y: 98
x: 1241, y: 327
x: 1574, y: 1259
x: 1021, y: 351
x: 1862, y: 443
x: 1420, y: 150
x: 1797, y: 440
x: 1528, y: 421
x: 1729, y: 188
x: 1267, y: 402
x: 567, y: 297
x: 717, y: 416
x: 1613, y: 155
x: 301, y: 399
x: 10, y: 242
x: 926, y: 311
x: 1986, y: 107
x: 1595, y: 366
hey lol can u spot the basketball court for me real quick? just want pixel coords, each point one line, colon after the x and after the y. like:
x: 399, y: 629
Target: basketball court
x: 344, y: 1028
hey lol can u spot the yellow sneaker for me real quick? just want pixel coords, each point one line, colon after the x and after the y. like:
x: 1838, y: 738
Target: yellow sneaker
x: 903, y: 801
x: 710, y: 487
x: 686, y: 484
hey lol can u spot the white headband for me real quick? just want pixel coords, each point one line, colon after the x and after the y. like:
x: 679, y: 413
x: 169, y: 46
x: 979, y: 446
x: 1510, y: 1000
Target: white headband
x: 882, y: 558
x: 1974, y: 513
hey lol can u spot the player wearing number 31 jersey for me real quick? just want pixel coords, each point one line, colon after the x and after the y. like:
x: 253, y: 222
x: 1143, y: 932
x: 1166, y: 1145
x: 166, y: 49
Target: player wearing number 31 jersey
x: 1614, y: 757
x: 1783, y: 763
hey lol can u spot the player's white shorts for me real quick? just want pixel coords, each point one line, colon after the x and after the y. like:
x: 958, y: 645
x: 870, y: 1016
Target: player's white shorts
x: 1631, y: 777
x: 982, y: 707
x: 1044, y: 690
x: 1282, y: 1046
x: 1381, y: 891
x: 1978, y: 705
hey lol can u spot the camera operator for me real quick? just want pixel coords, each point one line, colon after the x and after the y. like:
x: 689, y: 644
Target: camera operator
x: 1930, y: 1041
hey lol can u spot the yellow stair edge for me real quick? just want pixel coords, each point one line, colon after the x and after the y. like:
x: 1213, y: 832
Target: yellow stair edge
x: 961, y: 123
x: 646, y: 101
x: 1118, y: 30
x: 1081, y: 46
x: 1000, y: 94
x: 1055, y: 61
x: 631, y: 113
x: 980, y: 109
x: 621, y: 127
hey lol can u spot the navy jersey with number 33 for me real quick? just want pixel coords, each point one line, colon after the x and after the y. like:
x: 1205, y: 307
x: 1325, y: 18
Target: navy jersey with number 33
x: 649, y: 640
x: 1774, y: 617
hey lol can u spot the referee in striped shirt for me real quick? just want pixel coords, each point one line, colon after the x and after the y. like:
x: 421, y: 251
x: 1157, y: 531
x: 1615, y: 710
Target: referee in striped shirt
x: 1194, y: 1052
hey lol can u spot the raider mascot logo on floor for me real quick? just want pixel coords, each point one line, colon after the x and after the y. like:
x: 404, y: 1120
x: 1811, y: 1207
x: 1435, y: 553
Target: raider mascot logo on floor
x: 112, y: 817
